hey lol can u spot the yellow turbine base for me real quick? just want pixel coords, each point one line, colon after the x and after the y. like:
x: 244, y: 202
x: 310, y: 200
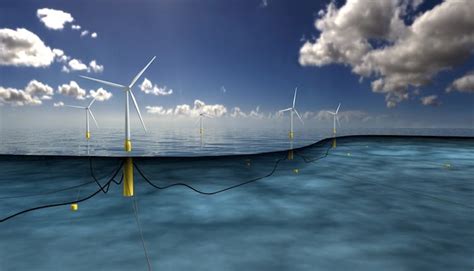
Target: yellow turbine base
x: 128, y: 177
x: 291, y: 135
x: 334, y: 131
x: 290, y: 155
x: 74, y: 207
x: 128, y: 145
x: 334, y: 143
x: 201, y: 131
x: 88, y: 135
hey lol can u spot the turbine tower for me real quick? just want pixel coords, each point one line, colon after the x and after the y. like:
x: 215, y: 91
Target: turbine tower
x: 336, y: 118
x: 88, y: 112
x: 128, y: 93
x: 292, y: 110
x: 201, y: 116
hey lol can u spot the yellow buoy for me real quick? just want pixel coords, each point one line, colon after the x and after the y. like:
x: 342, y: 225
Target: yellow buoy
x: 128, y: 177
x: 348, y: 154
x: 296, y: 171
x: 74, y: 207
x: 447, y: 165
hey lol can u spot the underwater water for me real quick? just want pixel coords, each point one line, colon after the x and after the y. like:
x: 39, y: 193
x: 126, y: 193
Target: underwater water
x: 369, y: 203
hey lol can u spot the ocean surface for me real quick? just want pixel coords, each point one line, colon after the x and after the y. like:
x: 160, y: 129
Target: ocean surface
x: 172, y: 141
x: 362, y: 203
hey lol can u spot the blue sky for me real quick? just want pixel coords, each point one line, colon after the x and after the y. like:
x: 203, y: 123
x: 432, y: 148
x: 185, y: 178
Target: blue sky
x: 253, y: 51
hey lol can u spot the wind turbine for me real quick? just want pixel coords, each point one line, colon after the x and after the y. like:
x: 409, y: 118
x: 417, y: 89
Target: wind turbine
x: 88, y: 112
x: 201, y: 116
x: 292, y: 110
x: 128, y: 93
x: 336, y: 118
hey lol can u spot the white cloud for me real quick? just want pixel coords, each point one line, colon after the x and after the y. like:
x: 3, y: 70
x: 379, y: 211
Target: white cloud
x: 264, y: 3
x: 223, y: 89
x: 75, y: 27
x: 95, y: 67
x: 84, y: 32
x: 100, y: 94
x: 53, y: 18
x: 238, y: 113
x: 58, y: 104
x: 60, y: 56
x: 430, y: 100
x: 438, y: 39
x: 215, y: 110
x: 21, y: 47
x: 38, y: 89
x: 94, y: 35
x: 33, y: 93
x: 77, y: 65
x: 72, y: 89
x: 463, y: 84
x: 149, y: 88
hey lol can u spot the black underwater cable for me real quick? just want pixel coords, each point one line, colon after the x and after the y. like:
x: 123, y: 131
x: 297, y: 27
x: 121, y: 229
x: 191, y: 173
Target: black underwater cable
x: 111, y: 179
x: 203, y: 192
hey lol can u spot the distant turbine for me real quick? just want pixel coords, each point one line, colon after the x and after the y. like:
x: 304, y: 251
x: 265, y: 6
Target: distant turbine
x: 88, y: 112
x: 336, y: 118
x: 201, y: 116
x: 292, y: 110
x: 128, y: 93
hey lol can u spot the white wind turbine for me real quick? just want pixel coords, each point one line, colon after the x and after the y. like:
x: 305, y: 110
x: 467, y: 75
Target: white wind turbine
x: 336, y: 118
x: 88, y: 112
x: 292, y: 110
x: 128, y: 93
x: 203, y: 115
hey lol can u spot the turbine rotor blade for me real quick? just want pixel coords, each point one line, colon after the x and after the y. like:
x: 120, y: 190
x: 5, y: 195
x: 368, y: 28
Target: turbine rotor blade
x: 75, y: 106
x: 138, y: 110
x: 92, y: 115
x: 283, y: 110
x: 298, y: 116
x: 140, y: 73
x: 93, y: 100
x: 294, y: 97
x: 103, y: 82
x: 337, y: 110
x: 330, y: 112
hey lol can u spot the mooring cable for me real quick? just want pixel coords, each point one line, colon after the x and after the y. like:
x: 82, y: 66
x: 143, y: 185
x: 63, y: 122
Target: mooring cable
x: 203, y: 192
x: 69, y: 202
x: 135, y: 211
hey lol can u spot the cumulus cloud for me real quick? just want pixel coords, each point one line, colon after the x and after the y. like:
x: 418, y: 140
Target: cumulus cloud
x: 76, y: 27
x: 33, y: 93
x: 430, y: 100
x: 78, y: 65
x: 407, y: 56
x: 344, y: 116
x: 38, y: 89
x: 84, y: 32
x: 94, y: 35
x: 53, y: 18
x: 147, y: 87
x: 95, y: 67
x: 58, y: 104
x: 21, y: 47
x: 464, y: 84
x: 215, y: 110
x: 100, y: 94
x: 72, y: 89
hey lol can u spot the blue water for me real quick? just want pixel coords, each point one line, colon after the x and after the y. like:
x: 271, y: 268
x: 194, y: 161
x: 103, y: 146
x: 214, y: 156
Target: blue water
x: 172, y: 141
x: 370, y: 204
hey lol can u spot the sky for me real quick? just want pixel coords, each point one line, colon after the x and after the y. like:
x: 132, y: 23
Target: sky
x: 391, y: 63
